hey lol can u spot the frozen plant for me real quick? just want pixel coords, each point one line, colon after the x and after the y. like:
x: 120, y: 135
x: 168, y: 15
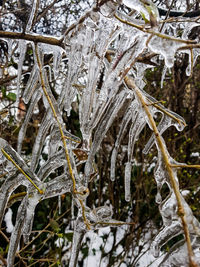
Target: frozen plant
x: 92, y: 67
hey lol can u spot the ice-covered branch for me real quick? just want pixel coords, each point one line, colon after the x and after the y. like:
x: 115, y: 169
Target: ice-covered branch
x: 32, y: 37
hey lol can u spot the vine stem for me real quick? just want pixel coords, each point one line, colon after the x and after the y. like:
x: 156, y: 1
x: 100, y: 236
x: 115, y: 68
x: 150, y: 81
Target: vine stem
x: 63, y: 137
x: 181, y: 212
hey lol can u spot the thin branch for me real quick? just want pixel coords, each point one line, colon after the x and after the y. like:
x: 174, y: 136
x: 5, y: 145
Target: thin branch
x: 32, y: 37
x: 45, y: 10
x: 163, y: 36
x: 21, y: 170
x: 185, y: 166
x: 181, y: 212
x: 63, y: 137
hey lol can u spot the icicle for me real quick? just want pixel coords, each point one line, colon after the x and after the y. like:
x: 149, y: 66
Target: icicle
x: 57, y: 53
x: 22, y: 52
x: 163, y: 76
x: 74, y: 63
x: 40, y: 139
x: 55, y: 161
x: 21, y: 163
x: 137, y: 126
x: 108, y: 9
x: 76, y: 243
x: 113, y: 164
x: 16, y: 234
x: 33, y: 200
x: 164, y: 124
x: 88, y: 93
x: 127, y: 181
x: 126, y: 119
x: 31, y: 85
x: 10, y: 184
x: 72, y: 214
x: 22, y: 132
x: 167, y: 48
x: 31, y: 17
x: 10, y: 48
x: 58, y: 186
x: 103, y: 127
x: 59, y: 205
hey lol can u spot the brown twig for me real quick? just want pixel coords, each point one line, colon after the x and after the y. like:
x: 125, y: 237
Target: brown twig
x: 163, y: 36
x: 32, y: 37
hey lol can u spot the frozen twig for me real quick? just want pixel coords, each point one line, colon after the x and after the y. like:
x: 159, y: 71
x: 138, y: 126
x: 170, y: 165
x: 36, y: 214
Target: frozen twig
x: 181, y: 212
x: 63, y: 137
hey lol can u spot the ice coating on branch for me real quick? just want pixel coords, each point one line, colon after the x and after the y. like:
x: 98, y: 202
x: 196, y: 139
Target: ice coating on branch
x: 10, y: 184
x: 76, y: 243
x: 55, y: 161
x: 33, y: 200
x: 22, y: 52
x: 56, y: 51
x: 21, y: 163
x: 163, y: 125
x: 99, y: 53
x: 177, y: 255
x: 32, y: 84
x: 16, y: 234
x: 40, y: 139
x: 138, y: 123
x: 35, y: 98
x: 172, y: 225
x: 58, y: 186
x: 144, y: 7
x: 55, y: 142
x: 108, y: 9
x: 167, y: 48
x: 192, y: 57
x: 71, y: 83
x: 32, y: 16
x: 3, y: 143
x: 103, y: 127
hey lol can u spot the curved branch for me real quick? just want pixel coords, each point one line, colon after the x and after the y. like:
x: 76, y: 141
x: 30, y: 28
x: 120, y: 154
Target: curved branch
x: 192, y: 14
x: 32, y: 37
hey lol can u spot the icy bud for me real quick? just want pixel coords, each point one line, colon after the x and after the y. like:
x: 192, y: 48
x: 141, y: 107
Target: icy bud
x: 82, y: 192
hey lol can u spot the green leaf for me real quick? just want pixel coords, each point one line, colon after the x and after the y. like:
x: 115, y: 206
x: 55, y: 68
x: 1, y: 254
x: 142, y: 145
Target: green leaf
x: 3, y: 90
x: 69, y: 236
x: 54, y: 225
x: 144, y: 18
x: 11, y: 96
